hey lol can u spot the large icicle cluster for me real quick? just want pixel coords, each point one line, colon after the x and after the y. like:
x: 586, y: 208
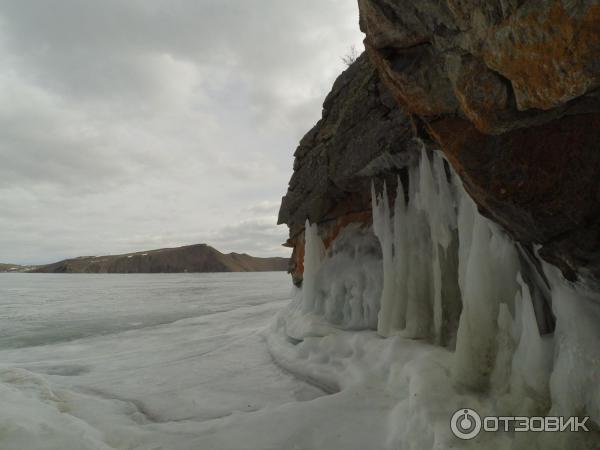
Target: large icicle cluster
x: 433, y: 268
x: 442, y: 260
x: 416, y: 255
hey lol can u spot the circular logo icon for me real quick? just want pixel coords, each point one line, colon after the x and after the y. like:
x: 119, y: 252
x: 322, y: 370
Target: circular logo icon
x: 465, y: 424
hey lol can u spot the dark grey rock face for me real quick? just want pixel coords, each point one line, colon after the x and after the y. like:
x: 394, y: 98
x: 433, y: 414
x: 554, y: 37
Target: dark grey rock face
x: 360, y: 133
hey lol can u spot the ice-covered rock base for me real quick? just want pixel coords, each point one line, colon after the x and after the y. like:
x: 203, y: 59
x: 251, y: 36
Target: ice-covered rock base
x: 471, y: 320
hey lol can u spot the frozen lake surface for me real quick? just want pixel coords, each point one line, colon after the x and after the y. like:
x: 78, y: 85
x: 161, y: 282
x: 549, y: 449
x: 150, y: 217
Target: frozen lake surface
x: 137, y: 361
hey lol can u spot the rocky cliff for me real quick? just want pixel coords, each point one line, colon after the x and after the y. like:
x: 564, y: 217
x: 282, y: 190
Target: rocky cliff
x: 509, y: 92
x: 465, y: 213
x: 506, y: 89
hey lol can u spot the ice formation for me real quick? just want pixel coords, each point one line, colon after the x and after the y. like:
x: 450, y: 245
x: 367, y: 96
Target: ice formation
x: 452, y: 279
x: 344, y: 287
x: 415, y: 252
x: 313, y: 256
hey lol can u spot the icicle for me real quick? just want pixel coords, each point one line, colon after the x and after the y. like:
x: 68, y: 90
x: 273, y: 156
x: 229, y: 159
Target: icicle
x: 477, y: 328
x: 484, y: 268
x: 422, y: 231
x: 532, y: 360
x: 574, y: 383
x: 383, y: 230
x: 314, y: 252
x: 401, y: 262
x: 439, y: 205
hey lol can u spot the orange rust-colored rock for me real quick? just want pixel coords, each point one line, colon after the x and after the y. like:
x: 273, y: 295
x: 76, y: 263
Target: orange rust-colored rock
x: 296, y: 268
x: 483, y: 96
x: 500, y: 64
x: 549, y: 54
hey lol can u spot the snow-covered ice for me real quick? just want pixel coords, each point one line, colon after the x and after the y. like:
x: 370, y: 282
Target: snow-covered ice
x: 138, y: 361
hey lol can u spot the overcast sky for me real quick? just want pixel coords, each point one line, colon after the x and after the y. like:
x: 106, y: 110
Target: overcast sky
x: 137, y: 124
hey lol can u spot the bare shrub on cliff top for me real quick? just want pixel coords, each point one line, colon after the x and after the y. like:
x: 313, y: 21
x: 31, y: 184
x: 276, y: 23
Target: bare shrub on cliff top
x: 351, y: 56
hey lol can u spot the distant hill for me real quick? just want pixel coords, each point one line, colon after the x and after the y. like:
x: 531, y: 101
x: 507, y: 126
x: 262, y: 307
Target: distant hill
x: 12, y: 268
x: 191, y: 258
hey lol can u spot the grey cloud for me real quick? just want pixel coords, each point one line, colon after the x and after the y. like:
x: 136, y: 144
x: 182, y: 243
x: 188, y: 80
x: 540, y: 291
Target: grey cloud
x: 133, y: 124
x: 265, y: 207
x: 261, y: 237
